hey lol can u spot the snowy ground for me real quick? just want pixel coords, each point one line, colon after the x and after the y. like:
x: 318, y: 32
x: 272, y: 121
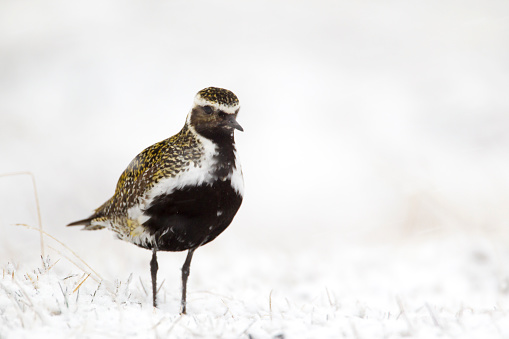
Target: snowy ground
x: 374, y: 155
x: 453, y: 287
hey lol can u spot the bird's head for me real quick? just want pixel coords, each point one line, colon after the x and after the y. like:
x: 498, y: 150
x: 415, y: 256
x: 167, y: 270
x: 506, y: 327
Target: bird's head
x: 215, y: 112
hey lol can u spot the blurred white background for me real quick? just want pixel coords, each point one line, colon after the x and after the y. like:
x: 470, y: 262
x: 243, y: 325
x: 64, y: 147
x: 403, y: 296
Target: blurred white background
x: 375, y: 157
x: 364, y: 121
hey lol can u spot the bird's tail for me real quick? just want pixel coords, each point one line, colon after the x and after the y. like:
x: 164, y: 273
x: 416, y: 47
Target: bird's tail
x: 87, y: 223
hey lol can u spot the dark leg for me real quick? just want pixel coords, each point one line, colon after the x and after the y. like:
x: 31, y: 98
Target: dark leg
x: 153, y: 272
x: 185, y: 275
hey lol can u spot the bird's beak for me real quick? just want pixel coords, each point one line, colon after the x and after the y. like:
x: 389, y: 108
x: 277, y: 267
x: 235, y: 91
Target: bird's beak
x: 232, y: 121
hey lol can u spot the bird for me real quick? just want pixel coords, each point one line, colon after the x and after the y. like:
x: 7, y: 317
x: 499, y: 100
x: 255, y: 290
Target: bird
x: 182, y: 192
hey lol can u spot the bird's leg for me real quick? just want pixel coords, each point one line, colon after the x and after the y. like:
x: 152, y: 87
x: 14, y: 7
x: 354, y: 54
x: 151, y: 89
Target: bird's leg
x: 153, y: 272
x: 185, y: 275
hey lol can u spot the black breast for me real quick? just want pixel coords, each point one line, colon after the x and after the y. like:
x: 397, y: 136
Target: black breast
x: 195, y: 215
x: 192, y: 216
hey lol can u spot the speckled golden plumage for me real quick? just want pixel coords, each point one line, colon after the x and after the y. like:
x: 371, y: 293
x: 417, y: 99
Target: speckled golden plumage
x: 164, y: 159
x: 219, y: 95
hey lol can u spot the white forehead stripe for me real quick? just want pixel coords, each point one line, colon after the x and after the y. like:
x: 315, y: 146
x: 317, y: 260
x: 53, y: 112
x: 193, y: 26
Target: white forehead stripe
x: 199, y: 101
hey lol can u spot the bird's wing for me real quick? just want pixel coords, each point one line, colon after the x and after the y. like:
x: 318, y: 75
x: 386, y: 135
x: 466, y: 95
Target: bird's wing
x: 136, y: 179
x: 132, y: 184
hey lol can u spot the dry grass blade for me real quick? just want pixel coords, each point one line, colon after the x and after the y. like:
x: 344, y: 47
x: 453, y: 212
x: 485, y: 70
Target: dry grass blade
x: 403, y: 313
x: 97, y: 289
x: 29, y: 301
x: 160, y: 286
x: 329, y: 297
x: 143, y: 287
x: 81, y: 283
x: 270, y: 304
x: 173, y: 326
x: 39, y: 219
x: 433, y: 316
x: 16, y: 304
x: 50, y: 267
x: 64, y: 294
x: 67, y: 248
x: 97, y: 279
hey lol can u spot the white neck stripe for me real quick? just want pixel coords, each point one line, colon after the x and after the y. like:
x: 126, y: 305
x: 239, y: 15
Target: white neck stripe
x: 199, y: 101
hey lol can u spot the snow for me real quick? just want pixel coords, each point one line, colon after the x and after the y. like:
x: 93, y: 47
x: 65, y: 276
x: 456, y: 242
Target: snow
x: 374, y: 158
x: 446, y: 287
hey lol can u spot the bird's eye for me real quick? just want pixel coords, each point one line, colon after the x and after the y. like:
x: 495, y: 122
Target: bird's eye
x: 208, y: 109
